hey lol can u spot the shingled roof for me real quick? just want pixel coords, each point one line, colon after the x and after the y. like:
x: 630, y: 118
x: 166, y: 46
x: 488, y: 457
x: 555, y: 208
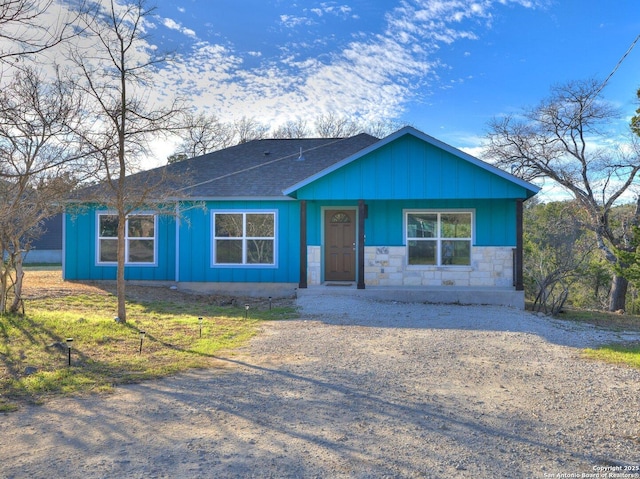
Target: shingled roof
x: 256, y: 169
x: 263, y: 168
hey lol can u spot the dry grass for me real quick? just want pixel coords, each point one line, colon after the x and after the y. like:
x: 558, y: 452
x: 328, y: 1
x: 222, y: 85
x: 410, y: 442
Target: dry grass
x: 603, y: 319
x: 105, y: 352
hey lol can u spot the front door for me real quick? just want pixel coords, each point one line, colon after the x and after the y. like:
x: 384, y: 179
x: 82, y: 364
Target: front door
x: 340, y: 245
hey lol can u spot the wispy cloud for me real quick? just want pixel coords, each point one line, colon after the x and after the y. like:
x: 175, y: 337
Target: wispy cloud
x: 292, y: 21
x: 173, y: 25
x: 332, y: 9
x: 372, y: 77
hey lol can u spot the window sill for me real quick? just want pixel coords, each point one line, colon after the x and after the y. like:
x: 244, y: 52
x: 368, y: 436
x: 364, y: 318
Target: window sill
x: 428, y: 267
x: 243, y: 266
x: 128, y: 265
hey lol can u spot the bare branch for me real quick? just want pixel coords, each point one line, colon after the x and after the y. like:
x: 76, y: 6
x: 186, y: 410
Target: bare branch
x: 121, y: 120
x: 557, y: 140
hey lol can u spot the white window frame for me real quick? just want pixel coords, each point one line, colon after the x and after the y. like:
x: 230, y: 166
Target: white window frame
x: 127, y: 238
x: 245, y: 239
x: 438, y: 239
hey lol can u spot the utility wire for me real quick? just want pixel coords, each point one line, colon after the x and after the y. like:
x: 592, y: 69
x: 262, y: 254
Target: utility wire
x: 615, y: 69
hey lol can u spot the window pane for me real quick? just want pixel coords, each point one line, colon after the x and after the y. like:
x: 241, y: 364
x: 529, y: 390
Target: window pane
x: 228, y: 225
x: 422, y: 252
x: 141, y: 226
x: 140, y: 251
x: 422, y: 225
x: 456, y: 225
x: 109, y: 226
x: 341, y: 218
x: 260, y: 225
x: 228, y: 251
x: 108, y: 250
x: 260, y: 252
x: 461, y: 253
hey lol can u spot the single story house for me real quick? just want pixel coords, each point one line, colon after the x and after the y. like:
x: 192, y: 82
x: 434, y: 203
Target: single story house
x: 47, y: 249
x: 271, y: 216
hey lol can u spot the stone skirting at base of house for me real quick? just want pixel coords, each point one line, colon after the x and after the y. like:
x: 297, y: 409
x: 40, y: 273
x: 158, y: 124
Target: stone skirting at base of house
x: 490, y: 267
x: 314, y: 265
x: 256, y: 290
x: 461, y: 295
x: 387, y: 266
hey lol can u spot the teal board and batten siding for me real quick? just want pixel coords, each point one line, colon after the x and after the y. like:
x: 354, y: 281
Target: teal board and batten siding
x: 495, y: 220
x: 409, y: 168
x: 196, y: 244
x: 80, y: 243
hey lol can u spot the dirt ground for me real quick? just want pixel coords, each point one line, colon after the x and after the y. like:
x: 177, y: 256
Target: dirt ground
x: 49, y: 283
x: 357, y: 389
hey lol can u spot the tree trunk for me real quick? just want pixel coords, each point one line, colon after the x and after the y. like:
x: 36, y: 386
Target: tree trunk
x: 618, y: 295
x: 4, y: 286
x: 120, y: 284
x: 17, y: 287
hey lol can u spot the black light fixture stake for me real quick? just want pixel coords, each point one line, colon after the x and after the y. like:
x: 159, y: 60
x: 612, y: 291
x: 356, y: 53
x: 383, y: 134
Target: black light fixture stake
x: 270, y: 303
x: 246, y: 311
x: 142, y: 333
x: 200, y: 321
x: 69, y: 341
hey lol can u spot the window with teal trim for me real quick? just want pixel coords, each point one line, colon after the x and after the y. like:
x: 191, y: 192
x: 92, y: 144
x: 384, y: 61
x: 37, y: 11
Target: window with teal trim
x: 439, y: 238
x: 244, y: 238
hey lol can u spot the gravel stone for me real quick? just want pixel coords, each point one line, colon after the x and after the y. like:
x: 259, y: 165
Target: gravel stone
x: 356, y: 388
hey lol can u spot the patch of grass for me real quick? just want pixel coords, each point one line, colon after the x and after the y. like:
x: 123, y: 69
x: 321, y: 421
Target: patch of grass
x: 628, y: 353
x: 105, y: 353
x: 603, y: 319
x: 42, y: 266
x: 617, y: 354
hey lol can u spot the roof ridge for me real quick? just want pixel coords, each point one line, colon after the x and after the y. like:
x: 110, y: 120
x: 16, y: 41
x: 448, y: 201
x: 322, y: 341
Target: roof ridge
x: 275, y: 160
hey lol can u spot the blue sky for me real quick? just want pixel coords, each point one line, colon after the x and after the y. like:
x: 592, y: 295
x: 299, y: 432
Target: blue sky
x: 444, y: 66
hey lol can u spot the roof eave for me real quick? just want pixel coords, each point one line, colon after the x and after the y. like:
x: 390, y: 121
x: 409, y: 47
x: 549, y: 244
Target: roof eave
x: 531, y: 189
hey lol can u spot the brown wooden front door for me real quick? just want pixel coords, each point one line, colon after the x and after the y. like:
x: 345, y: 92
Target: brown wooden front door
x: 340, y: 245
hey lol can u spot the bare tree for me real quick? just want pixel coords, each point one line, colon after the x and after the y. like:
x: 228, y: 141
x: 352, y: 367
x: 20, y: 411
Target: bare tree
x: 292, y: 129
x: 382, y: 128
x: 558, y: 140
x: 36, y: 119
x: 248, y: 129
x: 202, y: 134
x: 335, y: 126
x: 116, y: 74
x: 557, y: 252
x: 28, y: 27
x: 635, y: 120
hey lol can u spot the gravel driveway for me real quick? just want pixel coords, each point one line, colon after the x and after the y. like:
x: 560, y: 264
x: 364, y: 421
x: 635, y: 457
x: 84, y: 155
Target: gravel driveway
x: 357, y: 388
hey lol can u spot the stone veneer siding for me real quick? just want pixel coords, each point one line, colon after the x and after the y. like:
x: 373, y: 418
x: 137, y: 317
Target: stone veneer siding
x: 490, y: 267
x: 387, y: 266
x: 314, y: 265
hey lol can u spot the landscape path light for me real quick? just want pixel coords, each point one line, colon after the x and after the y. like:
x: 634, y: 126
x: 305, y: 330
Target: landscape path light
x: 200, y: 321
x: 246, y: 311
x: 142, y: 333
x: 69, y: 341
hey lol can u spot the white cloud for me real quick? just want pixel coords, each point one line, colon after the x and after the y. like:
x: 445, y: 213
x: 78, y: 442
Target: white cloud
x: 291, y: 21
x: 343, y: 11
x: 173, y: 25
x: 372, y: 77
